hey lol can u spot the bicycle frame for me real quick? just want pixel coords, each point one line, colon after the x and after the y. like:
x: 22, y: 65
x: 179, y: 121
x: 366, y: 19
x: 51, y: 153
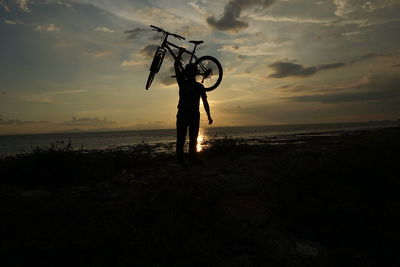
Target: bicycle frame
x: 166, y: 44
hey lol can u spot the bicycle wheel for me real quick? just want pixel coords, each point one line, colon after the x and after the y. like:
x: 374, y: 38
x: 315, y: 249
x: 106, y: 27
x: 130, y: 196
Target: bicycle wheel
x: 150, y: 79
x: 209, y: 72
x: 155, y: 66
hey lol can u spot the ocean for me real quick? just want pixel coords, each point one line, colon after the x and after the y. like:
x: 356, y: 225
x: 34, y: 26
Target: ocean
x: 16, y: 144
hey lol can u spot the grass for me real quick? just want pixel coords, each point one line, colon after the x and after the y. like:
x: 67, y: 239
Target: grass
x: 331, y: 201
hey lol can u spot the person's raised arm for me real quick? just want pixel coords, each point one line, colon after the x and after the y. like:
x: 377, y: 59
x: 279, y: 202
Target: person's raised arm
x: 206, y: 107
x: 178, y: 66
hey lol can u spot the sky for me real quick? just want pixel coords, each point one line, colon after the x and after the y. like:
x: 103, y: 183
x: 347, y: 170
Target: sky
x: 83, y: 64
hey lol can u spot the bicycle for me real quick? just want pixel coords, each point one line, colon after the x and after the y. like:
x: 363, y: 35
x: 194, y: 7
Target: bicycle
x: 209, y: 70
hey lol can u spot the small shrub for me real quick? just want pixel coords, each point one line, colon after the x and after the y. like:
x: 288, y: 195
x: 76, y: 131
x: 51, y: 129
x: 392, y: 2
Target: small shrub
x: 225, y: 145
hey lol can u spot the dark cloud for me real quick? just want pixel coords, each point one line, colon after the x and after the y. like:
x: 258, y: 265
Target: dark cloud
x: 87, y: 122
x: 283, y: 69
x: 186, y: 31
x: 231, y: 20
x: 396, y: 65
x: 168, y: 80
x: 243, y: 57
x: 18, y: 121
x: 148, y: 51
x: 134, y: 33
x: 331, y: 66
x: 4, y: 5
x: 369, y: 56
x: 284, y: 86
x: 286, y: 69
x: 346, y: 97
x: 376, y: 88
x: 166, y: 77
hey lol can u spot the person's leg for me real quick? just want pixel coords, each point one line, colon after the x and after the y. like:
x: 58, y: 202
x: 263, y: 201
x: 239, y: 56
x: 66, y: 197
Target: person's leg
x: 181, y: 129
x: 194, y: 126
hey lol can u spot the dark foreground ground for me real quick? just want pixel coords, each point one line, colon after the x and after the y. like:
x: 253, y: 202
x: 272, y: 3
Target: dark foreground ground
x: 331, y: 201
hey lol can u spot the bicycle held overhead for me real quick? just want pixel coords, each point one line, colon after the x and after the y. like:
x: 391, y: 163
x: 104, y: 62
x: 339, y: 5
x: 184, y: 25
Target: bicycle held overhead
x: 209, y: 69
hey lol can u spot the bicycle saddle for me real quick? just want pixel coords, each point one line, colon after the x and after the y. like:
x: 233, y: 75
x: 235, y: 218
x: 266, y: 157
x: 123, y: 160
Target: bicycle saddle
x: 196, y: 42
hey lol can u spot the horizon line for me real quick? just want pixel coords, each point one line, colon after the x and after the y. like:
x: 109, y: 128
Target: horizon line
x: 78, y: 131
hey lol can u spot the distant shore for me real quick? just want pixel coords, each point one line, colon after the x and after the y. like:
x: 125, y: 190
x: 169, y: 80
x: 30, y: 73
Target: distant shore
x: 313, y: 200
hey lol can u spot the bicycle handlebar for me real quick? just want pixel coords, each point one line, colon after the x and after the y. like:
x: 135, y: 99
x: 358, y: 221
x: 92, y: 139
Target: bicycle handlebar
x: 173, y: 34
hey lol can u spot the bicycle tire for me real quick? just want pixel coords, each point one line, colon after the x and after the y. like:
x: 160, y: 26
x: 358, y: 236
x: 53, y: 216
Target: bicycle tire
x: 155, y: 66
x: 209, y: 72
x: 150, y: 79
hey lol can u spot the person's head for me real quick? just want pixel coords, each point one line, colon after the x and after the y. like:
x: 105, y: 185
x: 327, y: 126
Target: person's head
x: 190, y: 71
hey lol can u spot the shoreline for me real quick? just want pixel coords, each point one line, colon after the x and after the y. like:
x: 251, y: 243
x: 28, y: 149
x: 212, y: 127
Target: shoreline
x: 373, y: 122
x: 167, y: 146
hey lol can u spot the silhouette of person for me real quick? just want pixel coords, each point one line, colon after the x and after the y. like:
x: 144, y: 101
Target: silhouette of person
x: 188, y: 115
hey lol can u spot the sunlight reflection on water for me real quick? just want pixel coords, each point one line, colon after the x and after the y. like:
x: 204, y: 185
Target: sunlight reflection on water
x: 200, y: 140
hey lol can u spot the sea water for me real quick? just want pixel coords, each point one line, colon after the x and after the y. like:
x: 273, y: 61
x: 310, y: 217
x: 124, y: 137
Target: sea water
x: 15, y: 144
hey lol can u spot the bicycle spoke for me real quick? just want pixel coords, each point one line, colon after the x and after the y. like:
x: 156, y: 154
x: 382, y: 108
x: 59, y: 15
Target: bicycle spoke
x: 208, y: 73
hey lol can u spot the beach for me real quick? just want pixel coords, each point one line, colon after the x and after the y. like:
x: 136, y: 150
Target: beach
x: 316, y: 200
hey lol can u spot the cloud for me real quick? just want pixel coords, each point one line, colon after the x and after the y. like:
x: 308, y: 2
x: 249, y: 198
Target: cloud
x: 230, y: 48
x: 396, y: 65
x: 148, y: 51
x: 4, y: 5
x: 99, y: 53
x: 134, y: 33
x: 17, y: 121
x: 373, y: 88
x: 49, y: 97
x: 286, y: 69
x: 371, y: 6
x: 143, y: 58
x: 12, y: 22
x: 131, y: 62
x: 167, y: 80
x: 343, y: 7
x: 331, y: 66
x: 231, y: 19
x: 104, y: 29
x: 283, y: 69
x: 370, y: 56
x: 23, y: 5
x: 87, y: 122
x: 166, y: 77
x: 284, y: 86
x: 47, y: 28
x: 296, y: 20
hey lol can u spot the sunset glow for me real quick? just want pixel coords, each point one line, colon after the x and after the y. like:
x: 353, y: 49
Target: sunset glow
x: 74, y: 65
